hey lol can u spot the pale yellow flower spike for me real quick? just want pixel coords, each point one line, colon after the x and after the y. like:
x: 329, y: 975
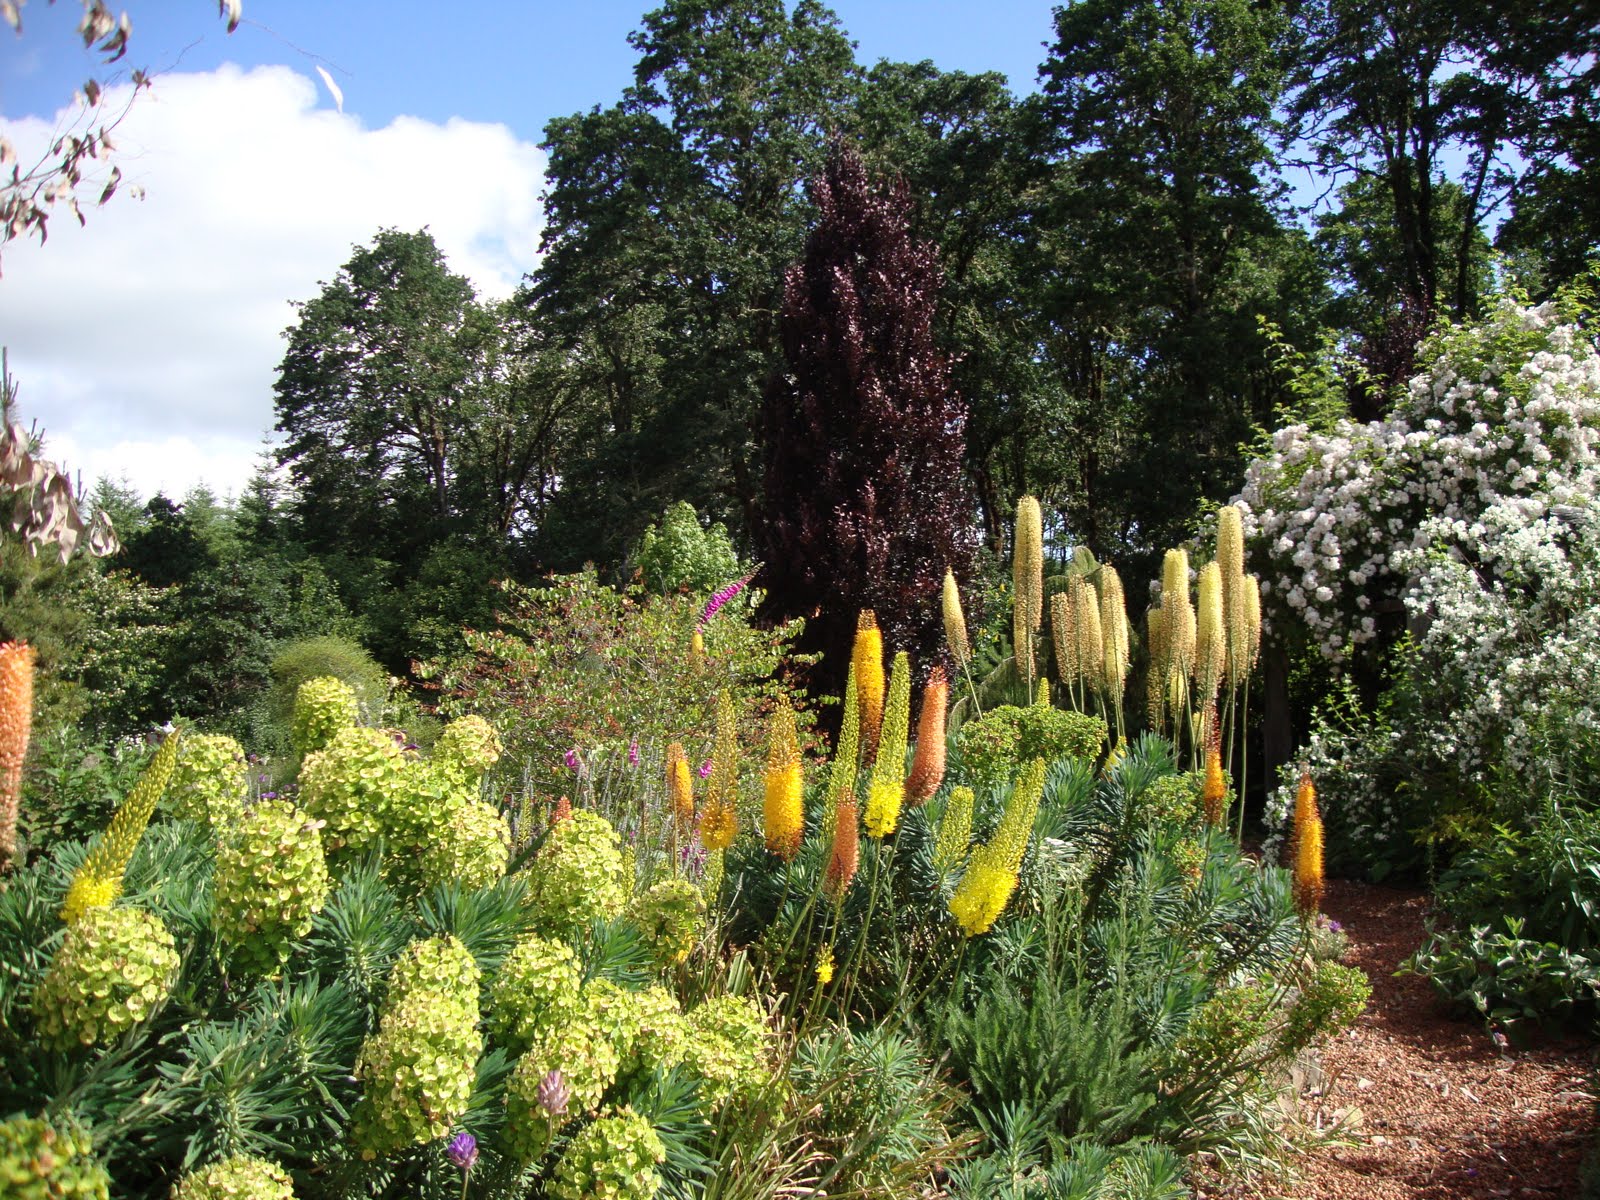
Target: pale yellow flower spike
x: 1114, y: 633
x: 1064, y: 637
x: 955, y: 622
x: 1211, y: 646
x: 1086, y: 621
x: 1178, y: 627
x: 1027, y: 577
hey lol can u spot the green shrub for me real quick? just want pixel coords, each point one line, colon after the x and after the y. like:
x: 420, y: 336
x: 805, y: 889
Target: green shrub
x: 39, y: 1161
x: 1512, y: 982
x: 417, y: 1070
x: 209, y: 781
x: 271, y: 880
x: 992, y: 746
x: 680, y: 553
x: 577, y: 875
x: 322, y: 708
x: 73, y: 784
x: 331, y: 657
x: 237, y: 1178
x: 614, y: 1157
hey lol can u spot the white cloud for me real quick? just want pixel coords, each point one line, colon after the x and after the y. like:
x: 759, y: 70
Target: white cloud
x: 147, y: 342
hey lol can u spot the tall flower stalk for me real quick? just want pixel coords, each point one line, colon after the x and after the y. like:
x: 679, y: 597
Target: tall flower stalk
x: 866, y: 662
x: 783, y: 812
x: 886, y: 792
x: 927, y: 766
x: 16, y: 723
x: 1027, y: 574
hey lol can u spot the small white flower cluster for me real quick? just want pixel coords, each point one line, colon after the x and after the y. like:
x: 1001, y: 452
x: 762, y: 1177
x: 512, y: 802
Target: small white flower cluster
x: 1507, y: 411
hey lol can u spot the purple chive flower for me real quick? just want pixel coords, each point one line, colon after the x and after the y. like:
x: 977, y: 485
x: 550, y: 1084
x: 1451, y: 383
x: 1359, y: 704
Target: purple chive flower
x: 705, y: 769
x: 463, y: 1151
x: 572, y: 759
x: 633, y: 753
x: 553, y: 1093
x: 1334, y: 926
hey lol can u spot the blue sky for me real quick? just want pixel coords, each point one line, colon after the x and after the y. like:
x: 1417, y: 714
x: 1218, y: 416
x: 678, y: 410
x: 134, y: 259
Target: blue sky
x: 146, y: 343
x: 516, y: 64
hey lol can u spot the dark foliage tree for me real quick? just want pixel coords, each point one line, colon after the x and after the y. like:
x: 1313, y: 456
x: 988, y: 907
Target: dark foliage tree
x: 865, y: 504
x: 961, y: 143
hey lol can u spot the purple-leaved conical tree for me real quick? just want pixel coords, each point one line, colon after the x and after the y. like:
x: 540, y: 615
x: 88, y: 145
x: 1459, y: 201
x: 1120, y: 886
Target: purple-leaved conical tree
x: 865, y: 503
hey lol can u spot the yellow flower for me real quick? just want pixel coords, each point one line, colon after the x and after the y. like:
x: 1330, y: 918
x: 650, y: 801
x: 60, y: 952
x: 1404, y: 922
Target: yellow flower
x: 887, y: 791
x: 825, y: 966
x: 719, y: 818
x: 784, y: 817
x: 1307, y: 849
x: 1214, y: 791
x: 1211, y: 637
x: 986, y: 886
x: 884, y: 798
x: 955, y: 829
x: 867, y: 659
x: 983, y: 893
x: 680, y: 787
x: 107, y: 862
x: 1114, y: 633
x: 955, y: 622
x: 86, y: 892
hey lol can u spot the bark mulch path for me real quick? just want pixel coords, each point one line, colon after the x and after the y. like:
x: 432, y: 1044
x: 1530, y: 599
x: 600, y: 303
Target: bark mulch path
x: 1439, y: 1112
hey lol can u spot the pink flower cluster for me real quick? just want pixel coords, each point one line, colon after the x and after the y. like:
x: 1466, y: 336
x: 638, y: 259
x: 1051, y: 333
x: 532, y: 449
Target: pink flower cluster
x: 720, y: 598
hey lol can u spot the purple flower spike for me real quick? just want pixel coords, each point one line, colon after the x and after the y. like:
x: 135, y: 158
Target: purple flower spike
x: 572, y: 759
x: 705, y: 769
x: 721, y: 597
x: 554, y: 1094
x: 463, y: 1151
x: 633, y: 753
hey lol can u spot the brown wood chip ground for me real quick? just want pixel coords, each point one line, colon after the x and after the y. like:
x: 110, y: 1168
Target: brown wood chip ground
x: 1443, y: 1113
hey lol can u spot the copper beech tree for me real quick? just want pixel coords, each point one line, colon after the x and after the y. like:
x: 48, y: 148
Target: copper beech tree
x: 864, y: 499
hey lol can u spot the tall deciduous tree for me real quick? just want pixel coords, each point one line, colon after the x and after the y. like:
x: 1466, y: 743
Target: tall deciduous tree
x: 671, y: 216
x: 864, y: 501
x: 1162, y: 242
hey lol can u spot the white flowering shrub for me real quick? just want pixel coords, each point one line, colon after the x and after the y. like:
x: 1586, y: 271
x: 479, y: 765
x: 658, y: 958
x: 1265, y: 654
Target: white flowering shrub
x: 1506, y: 411
x: 1496, y: 704
x: 1467, y: 510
